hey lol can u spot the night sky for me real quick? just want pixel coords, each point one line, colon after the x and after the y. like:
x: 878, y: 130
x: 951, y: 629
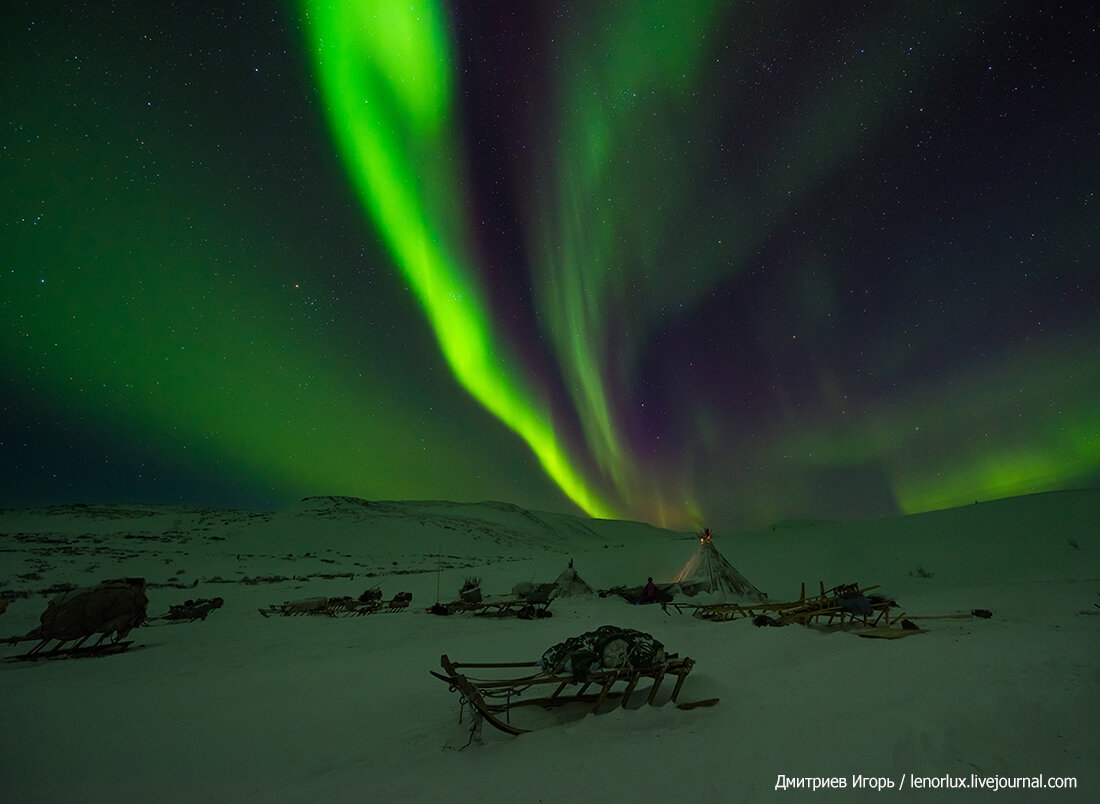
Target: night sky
x: 684, y: 262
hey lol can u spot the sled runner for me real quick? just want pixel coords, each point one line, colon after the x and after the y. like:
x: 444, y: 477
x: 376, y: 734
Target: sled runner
x: 583, y: 670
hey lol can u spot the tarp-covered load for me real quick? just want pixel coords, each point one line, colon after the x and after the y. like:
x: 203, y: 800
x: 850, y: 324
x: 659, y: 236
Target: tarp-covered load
x: 112, y: 608
x: 607, y: 648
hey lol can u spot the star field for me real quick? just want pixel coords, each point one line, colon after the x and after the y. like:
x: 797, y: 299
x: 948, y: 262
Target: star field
x: 687, y: 263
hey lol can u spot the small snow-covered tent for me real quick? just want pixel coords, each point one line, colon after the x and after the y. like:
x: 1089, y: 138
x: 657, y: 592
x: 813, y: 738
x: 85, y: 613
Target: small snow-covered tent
x: 708, y: 572
x: 570, y: 584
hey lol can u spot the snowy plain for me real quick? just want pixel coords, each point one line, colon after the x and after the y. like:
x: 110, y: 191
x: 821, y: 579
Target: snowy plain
x: 240, y: 707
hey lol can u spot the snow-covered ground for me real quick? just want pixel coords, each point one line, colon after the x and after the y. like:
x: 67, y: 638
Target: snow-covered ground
x: 245, y: 708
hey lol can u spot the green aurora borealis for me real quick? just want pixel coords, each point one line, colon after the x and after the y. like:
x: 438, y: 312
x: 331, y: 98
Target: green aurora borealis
x: 688, y: 263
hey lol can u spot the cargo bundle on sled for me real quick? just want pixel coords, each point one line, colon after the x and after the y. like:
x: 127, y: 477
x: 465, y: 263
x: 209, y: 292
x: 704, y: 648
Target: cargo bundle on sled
x: 527, y: 602
x: 370, y: 602
x: 111, y: 609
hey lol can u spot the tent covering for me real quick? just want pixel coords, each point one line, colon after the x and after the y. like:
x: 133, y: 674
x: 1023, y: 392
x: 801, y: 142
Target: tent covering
x: 570, y: 584
x: 708, y: 572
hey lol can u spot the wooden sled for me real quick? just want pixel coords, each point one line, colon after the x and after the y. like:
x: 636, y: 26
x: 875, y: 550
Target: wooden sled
x: 191, y: 610
x: 494, y: 695
x: 519, y: 607
x: 338, y: 606
x: 845, y: 605
x: 399, y: 602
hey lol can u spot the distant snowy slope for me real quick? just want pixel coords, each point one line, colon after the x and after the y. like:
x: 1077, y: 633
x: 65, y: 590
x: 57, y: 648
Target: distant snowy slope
x: 1054, y: 536
x: 358, y: 540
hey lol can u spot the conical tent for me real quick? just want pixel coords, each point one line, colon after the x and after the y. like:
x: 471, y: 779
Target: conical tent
x: 570, y: 584
x: 708, y: 572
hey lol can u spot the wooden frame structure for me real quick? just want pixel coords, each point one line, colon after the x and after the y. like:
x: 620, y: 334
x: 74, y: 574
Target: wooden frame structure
x: 842, y: 605
x: 519, y: 607
x: 339, y: 606
x: 498, y: 689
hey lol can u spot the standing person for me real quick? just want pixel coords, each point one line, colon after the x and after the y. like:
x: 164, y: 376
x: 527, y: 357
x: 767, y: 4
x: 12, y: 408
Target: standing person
x: 650, y: 593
